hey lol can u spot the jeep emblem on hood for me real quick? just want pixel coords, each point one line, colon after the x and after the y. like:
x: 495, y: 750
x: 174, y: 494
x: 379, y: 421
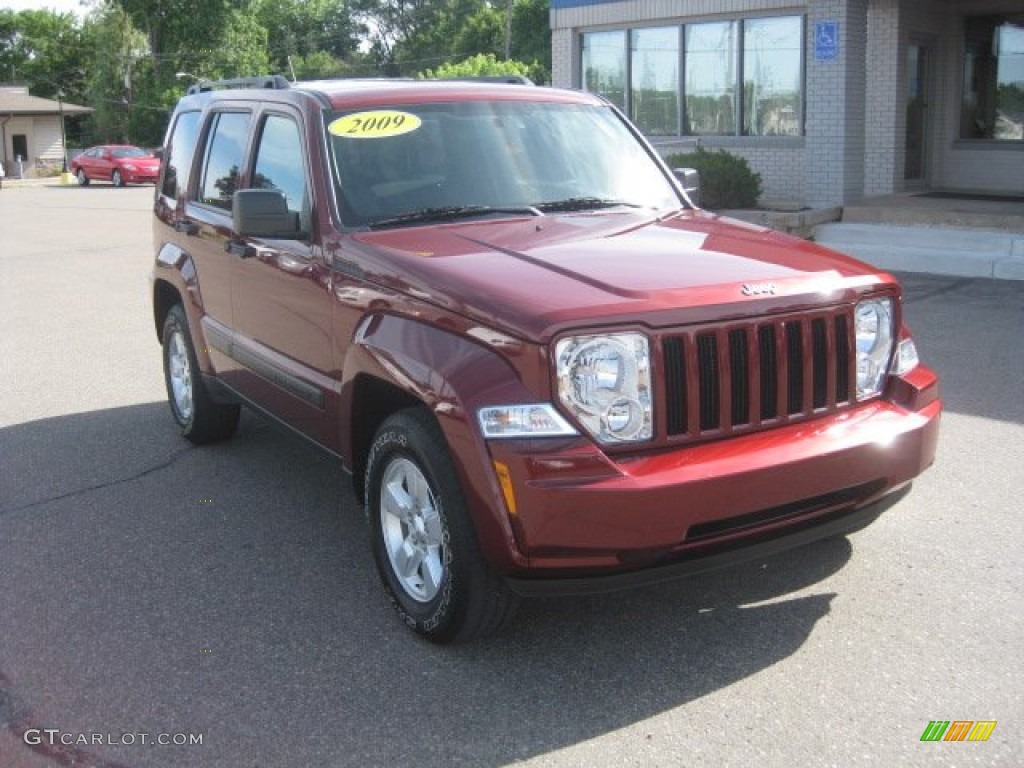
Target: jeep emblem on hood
x: 757, y: 289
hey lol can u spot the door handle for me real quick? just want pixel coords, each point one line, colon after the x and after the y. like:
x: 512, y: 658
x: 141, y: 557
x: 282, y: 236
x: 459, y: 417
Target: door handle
x: 235, y: 248
x: 244, y: 250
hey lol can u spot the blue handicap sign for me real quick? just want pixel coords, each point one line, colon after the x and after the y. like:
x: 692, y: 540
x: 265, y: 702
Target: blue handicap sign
x: 826, y: 40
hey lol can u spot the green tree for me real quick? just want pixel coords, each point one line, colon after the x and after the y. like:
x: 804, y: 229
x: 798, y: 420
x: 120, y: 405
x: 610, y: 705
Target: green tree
x: 242, y: 47
x: 44, y: 50
x: 320, y: 65
x: 481, y: 65
x: 115, y: 44
x: 531, y: 34
x: 413, y: 35
x: 530, y: 39
x: 482, y: 32
x: 210, y: 39
x: 407, y: 36
x: 309, y: 30
x: 180, y: 33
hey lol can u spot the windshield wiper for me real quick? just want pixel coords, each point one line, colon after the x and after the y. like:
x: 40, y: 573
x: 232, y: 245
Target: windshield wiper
x: 585, y: 204
x: 451, y: 213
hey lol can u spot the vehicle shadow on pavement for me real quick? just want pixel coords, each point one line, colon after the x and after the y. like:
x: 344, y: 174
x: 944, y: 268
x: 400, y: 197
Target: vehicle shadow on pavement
x: 151, y: 587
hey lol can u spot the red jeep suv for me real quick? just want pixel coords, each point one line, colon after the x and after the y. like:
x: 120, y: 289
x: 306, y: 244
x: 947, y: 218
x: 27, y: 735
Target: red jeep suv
x: 543, y: 367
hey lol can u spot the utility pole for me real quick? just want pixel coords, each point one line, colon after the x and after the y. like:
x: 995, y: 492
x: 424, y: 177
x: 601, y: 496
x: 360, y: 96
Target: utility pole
x: 63, y: 143
x: 128, y: 99
x: 508, y: 30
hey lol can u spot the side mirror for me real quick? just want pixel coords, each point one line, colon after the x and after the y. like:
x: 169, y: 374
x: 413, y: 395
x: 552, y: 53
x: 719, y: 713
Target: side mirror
x: 264, y: 213
x: 690, y: 179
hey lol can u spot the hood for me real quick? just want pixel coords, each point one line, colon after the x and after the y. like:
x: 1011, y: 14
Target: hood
x: 535, y: 277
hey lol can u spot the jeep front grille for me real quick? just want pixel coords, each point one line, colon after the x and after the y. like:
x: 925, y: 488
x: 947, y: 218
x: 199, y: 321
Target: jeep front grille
x: 742, y: 377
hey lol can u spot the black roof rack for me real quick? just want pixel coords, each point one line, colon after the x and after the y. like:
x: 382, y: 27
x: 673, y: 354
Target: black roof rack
x: 272, y: 82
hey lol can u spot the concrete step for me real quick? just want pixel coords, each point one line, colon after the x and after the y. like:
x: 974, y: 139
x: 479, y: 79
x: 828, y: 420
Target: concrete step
x: 962, y: 252
x: 919, y: 212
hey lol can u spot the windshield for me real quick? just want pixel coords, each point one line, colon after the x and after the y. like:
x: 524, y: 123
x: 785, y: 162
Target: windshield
x: 421, y: 163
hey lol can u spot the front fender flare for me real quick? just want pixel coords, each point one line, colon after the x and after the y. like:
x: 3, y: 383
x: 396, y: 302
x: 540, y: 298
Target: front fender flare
x: 453, y: 376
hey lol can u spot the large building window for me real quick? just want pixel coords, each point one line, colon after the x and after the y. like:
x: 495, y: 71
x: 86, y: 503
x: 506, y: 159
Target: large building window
x: 739, y: 77
x: 711, y: 78
x: 655, y: 80
x: 772, y: 76
x: 604, y: 65
x: 993, y: 92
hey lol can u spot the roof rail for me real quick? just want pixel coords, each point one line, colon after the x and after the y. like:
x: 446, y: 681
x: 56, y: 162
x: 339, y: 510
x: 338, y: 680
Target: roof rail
x: 273, y: 82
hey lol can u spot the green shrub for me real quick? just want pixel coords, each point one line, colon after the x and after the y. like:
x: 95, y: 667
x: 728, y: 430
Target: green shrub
x: 726, y: 180
x: 481, y: 65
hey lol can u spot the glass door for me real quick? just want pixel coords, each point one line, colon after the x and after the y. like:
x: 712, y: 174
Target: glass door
x: 915, y: 166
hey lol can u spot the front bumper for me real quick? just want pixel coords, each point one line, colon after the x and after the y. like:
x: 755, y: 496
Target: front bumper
x: 772, y: 543
x: 578, y: 511
x: 140, y: 177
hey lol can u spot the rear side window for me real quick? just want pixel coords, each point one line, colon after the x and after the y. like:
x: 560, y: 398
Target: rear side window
x: 179, y: 158
x: 225, y: 155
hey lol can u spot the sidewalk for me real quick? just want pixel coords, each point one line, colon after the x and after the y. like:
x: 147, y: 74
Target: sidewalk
x: 966, y: 236
x: 53, y: 181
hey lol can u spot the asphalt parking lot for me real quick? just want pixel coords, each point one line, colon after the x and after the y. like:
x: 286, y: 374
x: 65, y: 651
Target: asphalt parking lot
x: 150, y: 587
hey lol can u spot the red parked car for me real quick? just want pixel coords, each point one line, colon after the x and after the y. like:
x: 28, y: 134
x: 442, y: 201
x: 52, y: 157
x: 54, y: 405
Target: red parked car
x: 119, y: 164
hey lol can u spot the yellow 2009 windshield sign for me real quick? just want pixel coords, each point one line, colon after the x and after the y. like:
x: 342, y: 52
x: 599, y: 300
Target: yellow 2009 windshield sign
x: 377, y: 124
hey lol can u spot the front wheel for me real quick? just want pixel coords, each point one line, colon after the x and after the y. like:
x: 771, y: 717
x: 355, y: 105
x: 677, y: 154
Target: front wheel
x: 83, y: 180
x: 202, y: 420
x: 117, y: 179
x: 423, y: 539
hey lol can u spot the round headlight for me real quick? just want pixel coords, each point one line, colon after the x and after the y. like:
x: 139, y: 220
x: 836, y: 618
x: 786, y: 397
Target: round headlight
x: 624, y: 418
x: 605, y: 382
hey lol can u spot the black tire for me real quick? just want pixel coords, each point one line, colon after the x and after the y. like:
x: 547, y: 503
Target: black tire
x: 116, y: 178
x: 467, y: 601
x: 202, y: 420
x: 83, y: 180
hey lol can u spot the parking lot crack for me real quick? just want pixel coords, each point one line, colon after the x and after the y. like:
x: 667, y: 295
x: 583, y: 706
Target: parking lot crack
x: 170, y: 461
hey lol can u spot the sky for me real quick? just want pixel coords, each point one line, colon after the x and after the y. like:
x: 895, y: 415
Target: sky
x: 64, y: 6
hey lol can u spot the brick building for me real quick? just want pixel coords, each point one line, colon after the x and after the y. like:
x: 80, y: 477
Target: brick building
x: 829, y: 100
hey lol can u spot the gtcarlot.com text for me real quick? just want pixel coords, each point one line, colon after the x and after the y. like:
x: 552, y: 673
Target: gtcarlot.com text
x: 54, y: 736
